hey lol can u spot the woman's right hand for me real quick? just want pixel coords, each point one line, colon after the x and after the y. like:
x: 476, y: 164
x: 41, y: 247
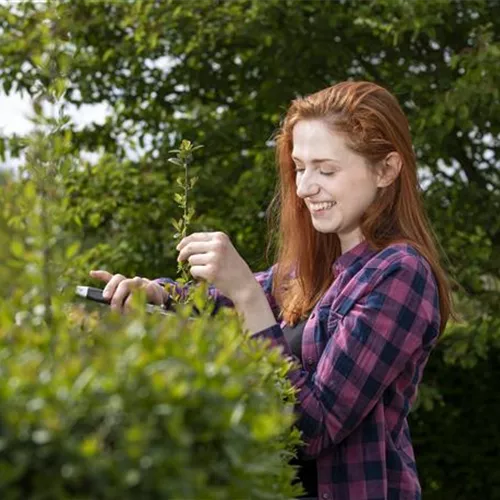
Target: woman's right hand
x: 119, y: 289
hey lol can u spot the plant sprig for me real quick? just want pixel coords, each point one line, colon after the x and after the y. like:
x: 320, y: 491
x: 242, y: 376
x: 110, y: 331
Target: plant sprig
x: 183, y: 159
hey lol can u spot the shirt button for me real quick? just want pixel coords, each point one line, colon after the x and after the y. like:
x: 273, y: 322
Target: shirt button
x: 325, y: 496
x: 310, y: 361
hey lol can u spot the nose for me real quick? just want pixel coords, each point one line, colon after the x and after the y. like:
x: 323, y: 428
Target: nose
x: 305, y: 187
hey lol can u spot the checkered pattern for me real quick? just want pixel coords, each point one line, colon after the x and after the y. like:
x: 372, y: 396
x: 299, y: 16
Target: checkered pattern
x: 364, y: 348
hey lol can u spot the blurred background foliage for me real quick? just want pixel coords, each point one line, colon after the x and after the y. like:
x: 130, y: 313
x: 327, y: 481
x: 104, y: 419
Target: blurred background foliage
x: 222, y: 74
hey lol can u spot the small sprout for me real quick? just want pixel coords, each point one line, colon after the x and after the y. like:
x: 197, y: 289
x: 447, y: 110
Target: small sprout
x: 184, y: 159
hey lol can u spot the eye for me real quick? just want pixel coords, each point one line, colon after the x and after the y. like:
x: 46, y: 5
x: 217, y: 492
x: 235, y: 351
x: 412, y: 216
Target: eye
x: 298, y: 170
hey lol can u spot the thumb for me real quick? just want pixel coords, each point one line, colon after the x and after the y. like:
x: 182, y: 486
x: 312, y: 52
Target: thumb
x: 101, y: 275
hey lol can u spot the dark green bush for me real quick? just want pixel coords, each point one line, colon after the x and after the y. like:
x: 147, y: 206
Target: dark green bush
x: 457, y: 441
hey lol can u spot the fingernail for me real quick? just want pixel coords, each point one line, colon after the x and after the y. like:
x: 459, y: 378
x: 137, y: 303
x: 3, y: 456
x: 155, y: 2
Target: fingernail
x: 106, y: 294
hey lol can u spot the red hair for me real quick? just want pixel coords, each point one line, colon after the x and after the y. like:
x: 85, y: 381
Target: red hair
x: 374, y: 125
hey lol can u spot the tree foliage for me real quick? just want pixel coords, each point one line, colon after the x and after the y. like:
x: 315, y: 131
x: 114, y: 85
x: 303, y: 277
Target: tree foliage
x: 222, y: 74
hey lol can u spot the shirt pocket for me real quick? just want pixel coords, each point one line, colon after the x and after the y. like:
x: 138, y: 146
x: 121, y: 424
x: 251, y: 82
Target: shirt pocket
x: 334, y: 317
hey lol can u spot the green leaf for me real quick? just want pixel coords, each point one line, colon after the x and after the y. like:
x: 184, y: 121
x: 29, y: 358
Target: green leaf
x: 72, y: 250
x: 107, y: 54
x: 176, y: 161
x: 17, y: 249
x: 176, y: 224
x: 64, y: 62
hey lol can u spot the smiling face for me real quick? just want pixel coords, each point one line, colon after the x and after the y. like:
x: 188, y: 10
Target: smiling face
x: 342, y: 177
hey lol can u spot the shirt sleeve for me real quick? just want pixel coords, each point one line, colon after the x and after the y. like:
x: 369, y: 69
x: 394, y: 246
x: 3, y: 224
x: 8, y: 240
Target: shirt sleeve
x: 264, y: 278
x: 386, y: 333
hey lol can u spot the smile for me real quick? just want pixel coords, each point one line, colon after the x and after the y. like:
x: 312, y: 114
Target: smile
x: 320, y: 207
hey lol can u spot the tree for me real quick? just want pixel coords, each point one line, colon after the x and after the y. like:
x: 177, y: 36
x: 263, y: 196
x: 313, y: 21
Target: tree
x: 223, y: 73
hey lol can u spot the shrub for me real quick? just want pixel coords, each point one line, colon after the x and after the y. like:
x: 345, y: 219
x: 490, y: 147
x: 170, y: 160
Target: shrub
x: 96, y: 405
x: 142, y: 406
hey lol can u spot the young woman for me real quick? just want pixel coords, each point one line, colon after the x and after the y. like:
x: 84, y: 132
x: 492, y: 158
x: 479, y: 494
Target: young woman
x: 357, y: 294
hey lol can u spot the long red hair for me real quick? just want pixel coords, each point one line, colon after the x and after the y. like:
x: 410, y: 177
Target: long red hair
x: 374, y: 125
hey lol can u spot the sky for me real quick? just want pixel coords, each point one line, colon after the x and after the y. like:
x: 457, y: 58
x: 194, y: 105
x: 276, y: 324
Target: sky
x: 15, y: 110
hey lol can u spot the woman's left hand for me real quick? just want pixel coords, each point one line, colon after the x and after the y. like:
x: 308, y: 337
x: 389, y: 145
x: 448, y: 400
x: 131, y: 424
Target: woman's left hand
x: 212, y: 257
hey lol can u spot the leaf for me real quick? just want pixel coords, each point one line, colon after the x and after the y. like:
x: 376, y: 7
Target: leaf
x: 2, y: 149
x: 7, y: 86
x: 72, y: 250
x: 77, y: 219
x: 175, y: 224
x: 64, y: 62
x: 37, y: 59
x: 107, y: 54
x: 176, y: 161
x: 90, y: 446
x: 94, y: 219
x: 17, y: 249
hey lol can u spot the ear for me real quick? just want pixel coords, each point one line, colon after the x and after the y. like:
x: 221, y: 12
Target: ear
x: 389, y: 169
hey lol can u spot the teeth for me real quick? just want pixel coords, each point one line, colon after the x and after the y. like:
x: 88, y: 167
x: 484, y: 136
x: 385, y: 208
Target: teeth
x: 322, y: 206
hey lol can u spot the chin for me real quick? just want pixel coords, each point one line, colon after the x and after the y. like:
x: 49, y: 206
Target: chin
x: 325, y: 230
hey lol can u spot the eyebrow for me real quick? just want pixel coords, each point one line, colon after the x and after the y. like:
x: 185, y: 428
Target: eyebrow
x: 316, y: 160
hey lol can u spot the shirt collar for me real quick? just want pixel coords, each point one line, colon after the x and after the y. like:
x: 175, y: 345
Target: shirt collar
x: 351, y: 256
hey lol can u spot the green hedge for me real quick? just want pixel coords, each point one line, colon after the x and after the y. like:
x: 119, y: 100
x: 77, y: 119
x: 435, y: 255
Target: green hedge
x: 102, y: 406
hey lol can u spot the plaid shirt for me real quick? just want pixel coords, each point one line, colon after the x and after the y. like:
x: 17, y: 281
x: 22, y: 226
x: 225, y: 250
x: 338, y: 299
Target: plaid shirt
x: 364, y: 348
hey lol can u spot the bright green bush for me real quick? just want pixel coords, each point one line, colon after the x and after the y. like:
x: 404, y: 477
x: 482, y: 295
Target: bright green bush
x: 142, y: 406
x: 98, y: 405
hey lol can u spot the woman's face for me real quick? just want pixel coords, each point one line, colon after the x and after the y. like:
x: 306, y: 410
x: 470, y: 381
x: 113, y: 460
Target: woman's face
x: 329, y: 172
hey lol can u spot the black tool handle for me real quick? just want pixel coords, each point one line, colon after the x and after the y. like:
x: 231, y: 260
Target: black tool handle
x: 96, y: 294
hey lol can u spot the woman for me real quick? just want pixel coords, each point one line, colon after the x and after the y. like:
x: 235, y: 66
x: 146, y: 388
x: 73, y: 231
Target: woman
x: 357, y: 294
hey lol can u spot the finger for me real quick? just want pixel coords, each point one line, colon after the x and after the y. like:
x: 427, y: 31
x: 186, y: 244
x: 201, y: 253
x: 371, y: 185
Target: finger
x: 155, y: 293
x: 201, y: 259
x: 136, y: 282
x: 205, y: 236
x: 110, y: 288
x: 120, y: 293
x: 101, y: 275
x: 192, y: 248
x: 132, y: 284
x: 202, y: 272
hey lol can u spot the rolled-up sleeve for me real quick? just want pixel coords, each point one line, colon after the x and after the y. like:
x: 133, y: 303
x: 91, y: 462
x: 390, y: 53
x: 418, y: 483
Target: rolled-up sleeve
x: 382, y: 336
